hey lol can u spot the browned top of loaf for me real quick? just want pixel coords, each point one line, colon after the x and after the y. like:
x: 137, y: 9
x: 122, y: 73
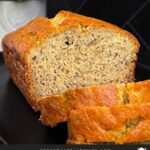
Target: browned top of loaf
x: 35, y: 31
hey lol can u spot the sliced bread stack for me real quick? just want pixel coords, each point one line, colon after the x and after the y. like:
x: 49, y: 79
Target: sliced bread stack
x: 55, y: 109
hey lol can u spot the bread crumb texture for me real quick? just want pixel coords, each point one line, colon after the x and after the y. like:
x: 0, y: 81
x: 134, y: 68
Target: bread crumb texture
x: 68, y: 51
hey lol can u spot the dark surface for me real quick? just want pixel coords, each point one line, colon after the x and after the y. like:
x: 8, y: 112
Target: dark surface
x: 18, y: 122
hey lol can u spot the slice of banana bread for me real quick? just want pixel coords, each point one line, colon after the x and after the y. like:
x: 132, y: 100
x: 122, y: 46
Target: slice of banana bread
x: 119, y: 124
x: 49, y: 56
x: 55, y: 109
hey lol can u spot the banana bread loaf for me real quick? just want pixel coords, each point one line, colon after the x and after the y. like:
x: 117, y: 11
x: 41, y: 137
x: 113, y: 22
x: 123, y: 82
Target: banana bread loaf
x: 119, y: 124
x: 55, y: 109
x: 49, y: 56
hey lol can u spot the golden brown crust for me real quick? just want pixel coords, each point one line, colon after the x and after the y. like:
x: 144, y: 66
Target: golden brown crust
x: 100, y: 95
x: 18, y: 72
x: 22, y: 41
x: 138, y: 92
x: 55, y: 109
x: 103, y: 124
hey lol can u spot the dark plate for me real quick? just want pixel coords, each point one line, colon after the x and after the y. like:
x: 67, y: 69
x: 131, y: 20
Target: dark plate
x: 19, y: 124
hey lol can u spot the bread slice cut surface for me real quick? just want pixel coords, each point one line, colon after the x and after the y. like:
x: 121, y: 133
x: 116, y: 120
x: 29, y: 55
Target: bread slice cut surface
x: 68, y: 51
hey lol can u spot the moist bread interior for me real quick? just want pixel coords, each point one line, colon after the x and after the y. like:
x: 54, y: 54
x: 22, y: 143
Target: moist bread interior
x: 81, y: 56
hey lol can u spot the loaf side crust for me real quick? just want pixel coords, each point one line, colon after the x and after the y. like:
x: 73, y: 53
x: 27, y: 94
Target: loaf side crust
x: 18, y: 72
x: 138, y: 92
x: 53, y: 110
x: 28, y: 37
x: 119, y: 124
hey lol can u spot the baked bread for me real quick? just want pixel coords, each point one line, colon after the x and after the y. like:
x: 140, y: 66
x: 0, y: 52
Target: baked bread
x: 119, y: 124
x: 49, y: 56
x: 55, y: 109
